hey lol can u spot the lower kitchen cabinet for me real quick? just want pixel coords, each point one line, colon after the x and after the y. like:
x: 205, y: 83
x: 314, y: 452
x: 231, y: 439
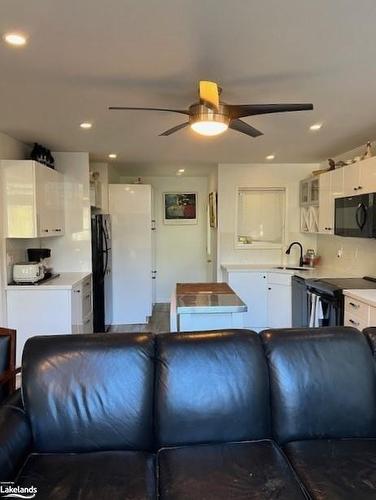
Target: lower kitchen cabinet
x: 267, y: 296
x: 49, y: 310
x: 359, y: 314
x: 279, y: 300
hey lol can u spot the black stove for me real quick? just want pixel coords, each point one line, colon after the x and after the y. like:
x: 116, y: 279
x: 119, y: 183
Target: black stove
x: 330, y: 293
x: 335, y: 286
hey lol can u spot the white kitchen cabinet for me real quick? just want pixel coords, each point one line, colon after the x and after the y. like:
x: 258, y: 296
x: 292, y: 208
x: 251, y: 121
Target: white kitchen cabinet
x: 337, y: 183
x: 326, y: 205
x: 267, y: 296
x: 96, y: 194
x: 33, y: 197
x: 360, y: 178
x: 49, y: 309
x: 251, y: 287
x: 279, y: 300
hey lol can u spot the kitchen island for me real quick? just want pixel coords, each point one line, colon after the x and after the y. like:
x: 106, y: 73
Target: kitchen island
x: 205, y: 306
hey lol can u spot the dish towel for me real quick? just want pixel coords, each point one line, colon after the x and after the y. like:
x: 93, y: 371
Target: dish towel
x: 316, y: 313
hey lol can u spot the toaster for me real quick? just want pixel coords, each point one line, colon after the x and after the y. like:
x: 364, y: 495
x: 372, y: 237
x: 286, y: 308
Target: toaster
x: 28, y: 272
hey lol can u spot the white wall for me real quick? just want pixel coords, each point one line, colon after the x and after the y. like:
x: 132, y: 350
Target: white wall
x: 72, y: 252
x: 180, y: 250
x: 232, y: 176
x: 10, y: 149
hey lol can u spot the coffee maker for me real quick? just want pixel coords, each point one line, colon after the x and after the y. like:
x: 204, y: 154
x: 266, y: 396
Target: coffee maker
x: 42, y: 256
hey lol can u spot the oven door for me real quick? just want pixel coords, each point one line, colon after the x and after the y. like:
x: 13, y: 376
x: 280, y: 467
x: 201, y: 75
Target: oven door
x: 355, y: 216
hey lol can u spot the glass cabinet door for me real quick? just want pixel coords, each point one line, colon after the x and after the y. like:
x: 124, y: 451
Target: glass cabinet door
x: 304, y: 192
x: 314, y: 192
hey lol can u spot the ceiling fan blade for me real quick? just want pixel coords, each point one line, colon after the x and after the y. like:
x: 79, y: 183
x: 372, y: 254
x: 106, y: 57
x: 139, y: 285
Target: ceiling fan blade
x: 242, y: 110
x: 209, y: 93
x: 243, y: 127
x: 181, y: 111
x: 174, y: 129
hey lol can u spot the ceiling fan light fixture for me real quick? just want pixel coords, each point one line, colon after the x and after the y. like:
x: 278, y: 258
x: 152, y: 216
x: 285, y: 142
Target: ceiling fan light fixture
x: 209, y: 128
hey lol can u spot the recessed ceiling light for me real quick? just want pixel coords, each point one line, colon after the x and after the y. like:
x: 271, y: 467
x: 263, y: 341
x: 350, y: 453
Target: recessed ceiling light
x: 16, y: 39
x: 112, y: 156
x: 179, y: 173
x: 270, y: 157
x: 315, y: 126
x: 86, y: 125
x: 181, y: 170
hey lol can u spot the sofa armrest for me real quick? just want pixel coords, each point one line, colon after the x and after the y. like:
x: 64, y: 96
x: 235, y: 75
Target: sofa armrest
x: 15, y: 440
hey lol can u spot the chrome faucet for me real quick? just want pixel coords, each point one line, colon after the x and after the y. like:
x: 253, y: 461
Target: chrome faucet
x: 301, y: 251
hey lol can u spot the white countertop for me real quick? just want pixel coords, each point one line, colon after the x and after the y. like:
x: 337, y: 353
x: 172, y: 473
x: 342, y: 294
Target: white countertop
x: 65, y: 281
x: 367, y: 296
x: 317, y: 272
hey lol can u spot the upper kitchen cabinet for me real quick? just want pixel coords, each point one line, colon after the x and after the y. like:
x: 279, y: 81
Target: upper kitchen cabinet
x: 33, y: 200
x: 309, y: 192
x: 360, y: 178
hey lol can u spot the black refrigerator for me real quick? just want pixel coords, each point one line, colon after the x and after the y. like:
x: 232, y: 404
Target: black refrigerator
x: 101, y: 268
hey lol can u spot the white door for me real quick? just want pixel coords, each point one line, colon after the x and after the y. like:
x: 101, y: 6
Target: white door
x: 279, y: 306
x: 251, y: 288
x: 130, y: 209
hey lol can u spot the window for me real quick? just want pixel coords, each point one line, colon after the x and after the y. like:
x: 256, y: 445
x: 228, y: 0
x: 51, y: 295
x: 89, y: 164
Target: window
x: 260, y: 217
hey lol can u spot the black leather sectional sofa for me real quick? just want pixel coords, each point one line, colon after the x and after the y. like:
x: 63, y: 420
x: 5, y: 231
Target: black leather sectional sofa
x: 288, y: 414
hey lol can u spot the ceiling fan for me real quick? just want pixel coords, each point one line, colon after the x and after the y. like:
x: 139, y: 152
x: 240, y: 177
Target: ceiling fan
x: 210, y: 116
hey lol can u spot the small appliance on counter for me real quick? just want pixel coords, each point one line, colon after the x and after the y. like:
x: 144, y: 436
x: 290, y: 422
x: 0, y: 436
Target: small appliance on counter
x: 28, y: 272
x: 41, y: 255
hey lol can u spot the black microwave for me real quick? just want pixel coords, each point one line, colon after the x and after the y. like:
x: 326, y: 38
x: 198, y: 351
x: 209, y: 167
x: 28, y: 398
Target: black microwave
x: 355, y: 216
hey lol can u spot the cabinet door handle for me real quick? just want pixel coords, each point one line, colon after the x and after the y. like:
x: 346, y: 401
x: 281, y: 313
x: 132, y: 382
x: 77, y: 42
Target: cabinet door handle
x: 58, y: 230
x: 355, y: 323
x: 87, y: 321
x: 354, y: 305
x: 269, y: 288
x: 45, y: 230
x: 355, y: 189
x: 87, y: 296
x: 77, y: 291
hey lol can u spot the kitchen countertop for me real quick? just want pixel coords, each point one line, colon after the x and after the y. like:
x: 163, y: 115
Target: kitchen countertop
x: 207, y: 298
x: 367, y: 296
x: 310, y: 273
x: 65, y: 281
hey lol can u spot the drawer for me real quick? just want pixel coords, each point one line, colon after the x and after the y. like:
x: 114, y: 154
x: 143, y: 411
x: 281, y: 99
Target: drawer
x: 355, y: 322
x: 86, y: 302
x: 279, y: 279
x: 87, y: 325
x: 372, y: 316
x: 356, y: 308
x: 86, y: 285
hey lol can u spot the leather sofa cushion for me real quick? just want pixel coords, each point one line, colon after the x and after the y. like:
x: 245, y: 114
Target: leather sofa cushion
x: 91, y: 476
x: 323, y: 383
x: 343, y: 469
x: 4, y: 365
x: 90, y: 392
x: 211, y: 387
x: 248, y: 470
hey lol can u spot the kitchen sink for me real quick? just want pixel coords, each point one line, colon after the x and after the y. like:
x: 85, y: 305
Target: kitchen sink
x: 292, y: 268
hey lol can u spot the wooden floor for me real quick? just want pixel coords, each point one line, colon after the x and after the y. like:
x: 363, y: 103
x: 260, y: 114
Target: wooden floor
x: 159, y: 322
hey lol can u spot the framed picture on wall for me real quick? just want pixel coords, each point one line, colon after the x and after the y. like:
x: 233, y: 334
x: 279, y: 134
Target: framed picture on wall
x: 213, y: 209
x: 180, y: 208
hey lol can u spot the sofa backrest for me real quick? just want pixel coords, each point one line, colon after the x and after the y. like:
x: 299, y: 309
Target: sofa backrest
x: 211, y: 387
x: 323, y: 383
x: 90, y: 392
x: 371, y: 336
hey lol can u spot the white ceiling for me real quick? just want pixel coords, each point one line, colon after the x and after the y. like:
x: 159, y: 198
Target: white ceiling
x: 86, y: 55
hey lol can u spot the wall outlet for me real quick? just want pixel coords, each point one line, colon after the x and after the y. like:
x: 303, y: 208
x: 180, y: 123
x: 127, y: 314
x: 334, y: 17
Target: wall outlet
x: 340, y: 253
